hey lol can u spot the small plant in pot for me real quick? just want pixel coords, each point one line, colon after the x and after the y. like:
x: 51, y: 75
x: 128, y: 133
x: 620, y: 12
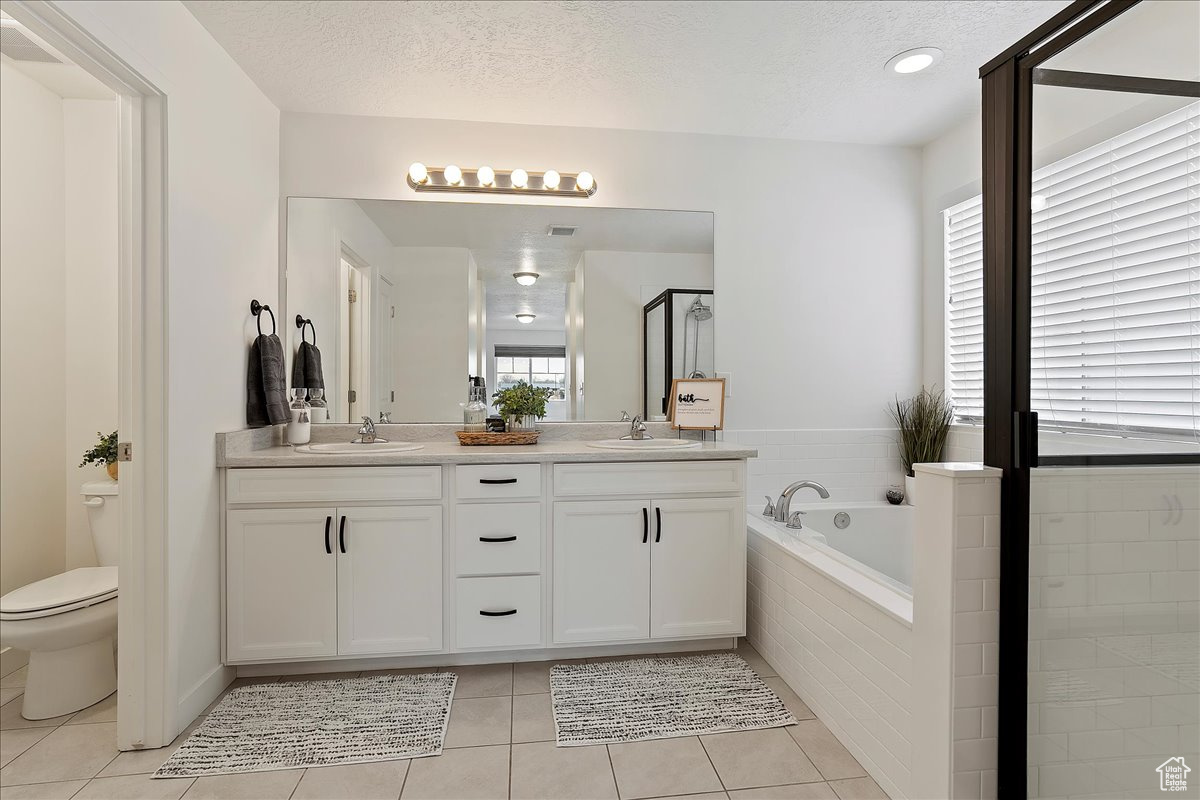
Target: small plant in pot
x: 522, y: 405
x: 923, y: 422
x: 103, y: 452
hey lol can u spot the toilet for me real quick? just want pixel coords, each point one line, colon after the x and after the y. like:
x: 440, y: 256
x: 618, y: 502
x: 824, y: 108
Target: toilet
x: 68, y: 622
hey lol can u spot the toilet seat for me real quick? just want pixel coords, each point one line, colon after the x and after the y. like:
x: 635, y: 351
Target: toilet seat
x: 58, y: 594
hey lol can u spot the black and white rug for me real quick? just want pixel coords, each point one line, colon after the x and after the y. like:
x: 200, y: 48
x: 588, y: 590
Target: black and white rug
x: 270, y: 726
x: 660, y: 698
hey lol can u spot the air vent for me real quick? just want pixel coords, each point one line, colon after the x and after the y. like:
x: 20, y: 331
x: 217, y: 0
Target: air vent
x: 561, y: 230
x: 19, y: 47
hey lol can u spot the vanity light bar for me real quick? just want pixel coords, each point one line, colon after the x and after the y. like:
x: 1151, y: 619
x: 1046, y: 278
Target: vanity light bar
x: 452, y: 178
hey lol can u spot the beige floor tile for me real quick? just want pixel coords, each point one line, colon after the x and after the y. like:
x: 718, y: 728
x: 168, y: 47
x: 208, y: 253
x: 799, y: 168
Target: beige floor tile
x: 797, y: 791
x: 541, y: 771
x: 246, y: 786
x: 662, y: 767
x: 104, y: 711
x: 825, y: 751
x: 532, y: 718
x: 70, y: 752
x: 137, y: 762
x: 483, y: 680
x: 858, y: 789
x: 475, y: 773
x: 476, y: 721
x: 756, y: 661
x: 746, y: 759
x: 378, y: 781
x: 11, y: 719
x: 15, y: 679
x: 13, y: 743
x: 58, y: 790
x: 790, y: 699
x: 8, y: 695
x: 134, y: 787
x: 705, y: 796
x: 531, y: 677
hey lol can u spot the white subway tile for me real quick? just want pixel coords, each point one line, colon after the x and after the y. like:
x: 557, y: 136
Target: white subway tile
x: 967, y: 724
x: 968, y: 659
x: 968, y: 595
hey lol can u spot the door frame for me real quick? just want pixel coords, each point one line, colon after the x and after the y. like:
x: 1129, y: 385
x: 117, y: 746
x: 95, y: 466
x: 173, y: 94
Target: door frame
x: 144, y: 717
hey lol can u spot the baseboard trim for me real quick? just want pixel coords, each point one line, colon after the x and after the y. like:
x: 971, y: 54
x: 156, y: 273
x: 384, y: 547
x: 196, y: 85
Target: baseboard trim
x: 12, y: 659
x: 200, y: 696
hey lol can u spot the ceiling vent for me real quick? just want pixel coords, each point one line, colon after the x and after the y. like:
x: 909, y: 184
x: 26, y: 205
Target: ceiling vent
x: 561, y: 230
x: 19, y: 47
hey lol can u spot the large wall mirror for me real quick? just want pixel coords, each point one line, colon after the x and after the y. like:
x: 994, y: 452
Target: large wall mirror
x: 408, y: 300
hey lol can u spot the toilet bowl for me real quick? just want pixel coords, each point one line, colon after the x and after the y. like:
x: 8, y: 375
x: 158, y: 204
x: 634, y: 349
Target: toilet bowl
x: 68, y: 622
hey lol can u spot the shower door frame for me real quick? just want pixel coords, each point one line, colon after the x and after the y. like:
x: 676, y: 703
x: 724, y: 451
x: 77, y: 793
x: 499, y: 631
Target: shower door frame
x: 1010, y: 424
x: 667, y: 296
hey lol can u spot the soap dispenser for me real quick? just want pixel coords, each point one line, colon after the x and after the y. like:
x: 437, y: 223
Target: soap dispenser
x: 475, y: 409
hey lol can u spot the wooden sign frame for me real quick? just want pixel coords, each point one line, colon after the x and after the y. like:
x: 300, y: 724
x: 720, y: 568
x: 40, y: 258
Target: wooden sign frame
x: 707, y: 390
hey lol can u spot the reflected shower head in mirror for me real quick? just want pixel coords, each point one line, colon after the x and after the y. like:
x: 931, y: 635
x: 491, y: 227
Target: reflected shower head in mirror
x: 701, y: 312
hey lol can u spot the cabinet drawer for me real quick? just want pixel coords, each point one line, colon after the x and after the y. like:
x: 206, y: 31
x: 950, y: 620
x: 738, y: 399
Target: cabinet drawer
x: 648, y: 479
x: 497, y: 481
x: 332, y: 484
x: 498, y: 538
x: 499, y: 612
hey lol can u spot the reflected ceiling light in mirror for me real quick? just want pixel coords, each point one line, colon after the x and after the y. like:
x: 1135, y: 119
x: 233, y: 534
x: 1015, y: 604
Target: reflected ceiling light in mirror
x: 485, y: 179
x: 914, y: 60
x: 1037, y: 202
x: 525, y: 319
x: 526, y: 278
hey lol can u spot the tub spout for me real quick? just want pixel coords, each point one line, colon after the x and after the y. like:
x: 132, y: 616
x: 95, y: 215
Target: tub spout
x: 784, y: 506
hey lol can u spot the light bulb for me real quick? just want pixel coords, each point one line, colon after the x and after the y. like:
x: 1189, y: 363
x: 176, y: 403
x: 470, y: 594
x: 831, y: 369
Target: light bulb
x: 1037, y: 202
x: 550, y: 179
x: 526, y: 278
x: 486, y: 176
x: 525, y: 319
x: 584, y: 181
x: 417, y: 173
x: 913, y: 63
x: 453, y: 175
x: 520, y: 178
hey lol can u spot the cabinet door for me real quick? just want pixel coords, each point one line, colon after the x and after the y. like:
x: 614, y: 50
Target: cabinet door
x: 281, y: 584
x: 389, y: 579
x: 601, y: 571
x: 698, y: 568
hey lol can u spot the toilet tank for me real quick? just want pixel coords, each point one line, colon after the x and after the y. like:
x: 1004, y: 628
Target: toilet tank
x: 104, y: 519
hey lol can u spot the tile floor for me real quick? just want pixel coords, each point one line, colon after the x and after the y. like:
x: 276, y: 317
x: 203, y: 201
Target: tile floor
x: 500, y: 744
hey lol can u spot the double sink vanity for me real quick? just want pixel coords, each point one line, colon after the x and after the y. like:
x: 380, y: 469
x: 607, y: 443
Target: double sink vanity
x: 438, y: 552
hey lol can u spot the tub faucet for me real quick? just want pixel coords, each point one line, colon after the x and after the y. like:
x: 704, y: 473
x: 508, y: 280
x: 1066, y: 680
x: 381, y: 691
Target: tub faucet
x: 783, y: 506
x: 367, y: 431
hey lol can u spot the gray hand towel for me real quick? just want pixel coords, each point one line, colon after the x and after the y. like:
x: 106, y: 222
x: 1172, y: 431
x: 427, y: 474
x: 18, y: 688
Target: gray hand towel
x: 266, y: 386
x: 306, y: 368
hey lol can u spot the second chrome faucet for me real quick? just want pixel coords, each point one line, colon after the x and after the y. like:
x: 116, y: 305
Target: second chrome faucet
x: 781, y: 509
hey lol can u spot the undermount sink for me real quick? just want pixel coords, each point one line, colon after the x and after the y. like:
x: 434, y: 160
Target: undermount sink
x: 644, y: 444
x: 346, y: 448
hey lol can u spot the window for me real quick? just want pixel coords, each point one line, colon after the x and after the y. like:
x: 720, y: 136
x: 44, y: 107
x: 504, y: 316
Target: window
x: 1116, y: 286
x: 544, y: 366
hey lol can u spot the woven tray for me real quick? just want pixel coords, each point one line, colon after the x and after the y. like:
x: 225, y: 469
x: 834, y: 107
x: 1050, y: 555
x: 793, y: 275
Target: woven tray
x: 475, y: 438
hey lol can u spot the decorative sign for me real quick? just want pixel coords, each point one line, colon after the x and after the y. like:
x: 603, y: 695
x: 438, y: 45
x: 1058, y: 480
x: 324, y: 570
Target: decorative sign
x: 697, y: 404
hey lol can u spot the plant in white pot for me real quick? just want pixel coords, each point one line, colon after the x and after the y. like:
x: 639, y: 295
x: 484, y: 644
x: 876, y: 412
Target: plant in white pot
x: 923, y: 422
x: 522, y: 405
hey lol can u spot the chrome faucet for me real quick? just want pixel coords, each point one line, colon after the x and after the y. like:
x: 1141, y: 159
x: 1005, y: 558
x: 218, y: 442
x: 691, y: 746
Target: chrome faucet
x: 783, y: 507
x: 637, y: 429
x: 367, y: 431
x: 385, y: 418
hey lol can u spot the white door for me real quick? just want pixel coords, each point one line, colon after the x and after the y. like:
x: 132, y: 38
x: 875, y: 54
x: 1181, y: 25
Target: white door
x: 386, y: 384
x: 281, y: 574
x: 389, y: 579
x: 601, y: 571
x: 698, y: 568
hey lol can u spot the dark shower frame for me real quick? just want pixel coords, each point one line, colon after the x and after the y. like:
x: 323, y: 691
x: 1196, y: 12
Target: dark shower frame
x: 667, y: 297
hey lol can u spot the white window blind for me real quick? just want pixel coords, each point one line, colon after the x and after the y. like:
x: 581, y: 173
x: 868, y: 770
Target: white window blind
x: 1116, y: 286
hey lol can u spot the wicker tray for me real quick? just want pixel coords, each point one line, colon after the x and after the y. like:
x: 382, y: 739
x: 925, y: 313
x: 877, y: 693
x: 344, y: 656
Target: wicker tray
x: 475, y: 438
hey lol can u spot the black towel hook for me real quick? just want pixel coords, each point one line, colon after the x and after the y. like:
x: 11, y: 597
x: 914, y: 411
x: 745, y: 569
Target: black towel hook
x: 301, y: 322
x: 256, y: 308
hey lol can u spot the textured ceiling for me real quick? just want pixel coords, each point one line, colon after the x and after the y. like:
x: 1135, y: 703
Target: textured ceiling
x: 796, y: 70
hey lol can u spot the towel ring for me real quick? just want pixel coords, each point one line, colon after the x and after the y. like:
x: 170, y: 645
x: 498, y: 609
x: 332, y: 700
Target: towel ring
x: 256, y: 308
x: 301, y: 322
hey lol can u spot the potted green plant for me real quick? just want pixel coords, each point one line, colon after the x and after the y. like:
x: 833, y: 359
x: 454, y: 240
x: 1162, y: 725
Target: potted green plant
x: 522, y: 405
x: 103, y: 452
x: 923, y: 422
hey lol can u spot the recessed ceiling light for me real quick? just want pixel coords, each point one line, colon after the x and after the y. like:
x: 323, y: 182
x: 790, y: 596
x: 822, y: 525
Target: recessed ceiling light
x: 526, y: 278
x: 525, y: 319
x: 914, y: 60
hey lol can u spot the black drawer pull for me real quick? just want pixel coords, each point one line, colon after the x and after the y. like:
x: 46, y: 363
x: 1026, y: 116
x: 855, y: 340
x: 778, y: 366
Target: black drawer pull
x: 328, y: 522
x: 658, y: 519
x: 490, y: 539
x: 342, y: 535
x: 496, y: 481
x: 645, y: 525
x: 508, y: 613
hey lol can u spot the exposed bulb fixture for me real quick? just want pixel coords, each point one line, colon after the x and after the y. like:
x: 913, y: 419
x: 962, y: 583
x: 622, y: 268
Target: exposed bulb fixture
x: 453, y: 175
x: 525, y: 319
x: 550, y: 179
x: 418, y: 174
x: 584, y: 181
x: 914, y: 60
x: 1037, y: 202
x: 487, y: 180
x: 486, y: 176
x: 519, y: 178
x: 526, y: 278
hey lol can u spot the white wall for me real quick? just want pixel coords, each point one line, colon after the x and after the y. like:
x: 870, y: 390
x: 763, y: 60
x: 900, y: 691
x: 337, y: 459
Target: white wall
x: 817, y: 245
x: 223, y: 249
x: 32, y: 331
